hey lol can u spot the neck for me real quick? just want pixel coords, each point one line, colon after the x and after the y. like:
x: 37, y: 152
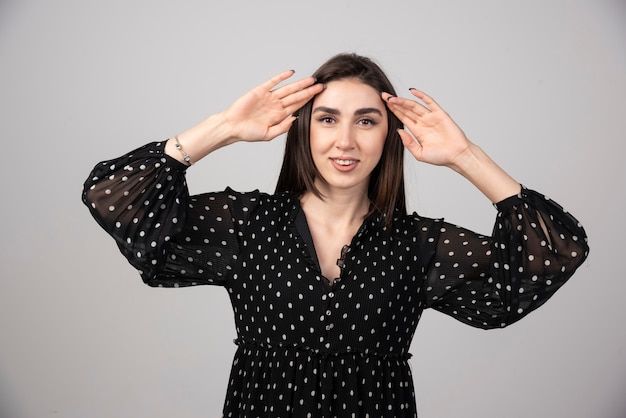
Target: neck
x: 336, y: 209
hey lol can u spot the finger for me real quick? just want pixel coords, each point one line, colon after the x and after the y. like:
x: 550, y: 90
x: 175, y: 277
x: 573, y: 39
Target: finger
x: 405, y: 115
x: 296, y: 100
x: 410, y: 105
x: 411, y: 144
x: 276, y: 80
x: 429, y: 101
x: 291, y: 88
x: 280, y: 128
x: 408, y: 108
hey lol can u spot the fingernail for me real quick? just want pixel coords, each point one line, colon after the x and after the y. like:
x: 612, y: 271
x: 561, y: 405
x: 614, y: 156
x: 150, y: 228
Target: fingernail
x: 412, y: 88
x: 389, y: 97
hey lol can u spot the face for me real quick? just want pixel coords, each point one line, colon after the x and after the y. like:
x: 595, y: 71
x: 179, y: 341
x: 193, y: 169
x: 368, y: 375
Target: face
x: 348, y: 131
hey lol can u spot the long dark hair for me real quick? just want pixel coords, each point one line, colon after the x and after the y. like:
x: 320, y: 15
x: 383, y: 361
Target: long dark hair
x: 298, y: 172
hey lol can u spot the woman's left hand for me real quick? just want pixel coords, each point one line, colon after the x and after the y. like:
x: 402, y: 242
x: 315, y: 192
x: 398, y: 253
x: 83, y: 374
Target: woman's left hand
x: 433, y: 136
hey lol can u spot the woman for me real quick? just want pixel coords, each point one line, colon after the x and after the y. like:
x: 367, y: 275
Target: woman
x: 328, y: 277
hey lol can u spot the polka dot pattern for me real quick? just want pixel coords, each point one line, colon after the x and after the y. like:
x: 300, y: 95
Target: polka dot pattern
x: 307, y: 347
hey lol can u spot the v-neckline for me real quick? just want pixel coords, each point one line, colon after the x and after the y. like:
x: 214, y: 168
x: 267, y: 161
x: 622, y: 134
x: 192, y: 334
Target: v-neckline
x: 305, y: 232
x: 302, y: 227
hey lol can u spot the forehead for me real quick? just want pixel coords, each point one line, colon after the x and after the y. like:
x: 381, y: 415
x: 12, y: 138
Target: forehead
x: 349, y: 94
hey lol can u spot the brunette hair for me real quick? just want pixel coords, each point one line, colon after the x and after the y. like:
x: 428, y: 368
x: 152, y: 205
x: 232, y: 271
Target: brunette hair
x: 298, y: 172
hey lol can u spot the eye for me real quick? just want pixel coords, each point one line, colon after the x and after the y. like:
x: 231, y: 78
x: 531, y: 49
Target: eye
x: 367, y: 122
x: 326, y: 120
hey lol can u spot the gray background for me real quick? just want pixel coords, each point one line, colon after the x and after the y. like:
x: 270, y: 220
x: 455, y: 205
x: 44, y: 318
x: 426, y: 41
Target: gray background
x: 539, y: 84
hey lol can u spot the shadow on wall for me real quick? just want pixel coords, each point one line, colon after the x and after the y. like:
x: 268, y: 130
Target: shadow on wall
x: 7, y: 401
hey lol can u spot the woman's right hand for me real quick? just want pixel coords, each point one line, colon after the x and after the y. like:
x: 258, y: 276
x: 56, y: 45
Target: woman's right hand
x: 266, y: 111
x: 261, y: 114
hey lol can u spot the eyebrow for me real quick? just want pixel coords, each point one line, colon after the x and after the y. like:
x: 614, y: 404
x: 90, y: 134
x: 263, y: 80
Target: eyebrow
x: 358, y: 112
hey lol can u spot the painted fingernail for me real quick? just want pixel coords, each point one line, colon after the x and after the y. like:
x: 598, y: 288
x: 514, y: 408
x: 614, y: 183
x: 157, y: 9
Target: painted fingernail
x: 412, y: 88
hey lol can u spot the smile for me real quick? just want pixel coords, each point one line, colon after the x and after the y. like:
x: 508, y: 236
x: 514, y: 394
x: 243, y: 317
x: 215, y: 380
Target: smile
x: 344, y: 162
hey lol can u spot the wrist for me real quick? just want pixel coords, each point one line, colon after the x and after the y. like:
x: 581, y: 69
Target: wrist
x: 216, y: 131
x: 212, y: 133
x: 467, y: 160
x: 479, y: 169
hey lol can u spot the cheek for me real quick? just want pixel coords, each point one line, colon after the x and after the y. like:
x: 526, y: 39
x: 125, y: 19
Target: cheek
x: 317, y: 147
x: 316, y: 136
x: 314, y: 142
x: 378, y: 143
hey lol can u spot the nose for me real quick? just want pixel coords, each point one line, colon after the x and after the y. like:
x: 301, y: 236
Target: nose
x: 345, y: 138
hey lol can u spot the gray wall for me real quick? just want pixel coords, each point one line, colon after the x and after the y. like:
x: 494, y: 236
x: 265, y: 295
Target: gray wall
x: 539, y: 84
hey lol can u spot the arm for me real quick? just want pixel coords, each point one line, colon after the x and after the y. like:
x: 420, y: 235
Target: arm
x: 491, y: 282
x: 174, y: 240
x: 260, y: 115
x: 141, y: 198
x: 535, y: 245
x: 438, y: 140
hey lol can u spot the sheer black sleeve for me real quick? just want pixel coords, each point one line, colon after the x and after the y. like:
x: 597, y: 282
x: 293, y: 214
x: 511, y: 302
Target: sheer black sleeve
x: 490, y: 282
x: 141, y: 199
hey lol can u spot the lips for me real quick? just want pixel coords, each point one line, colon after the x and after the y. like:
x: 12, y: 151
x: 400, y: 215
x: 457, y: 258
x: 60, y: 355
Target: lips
x: 344, y: 164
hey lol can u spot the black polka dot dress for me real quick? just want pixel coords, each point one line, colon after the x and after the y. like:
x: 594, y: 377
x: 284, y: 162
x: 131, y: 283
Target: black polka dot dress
x: 306, y: 347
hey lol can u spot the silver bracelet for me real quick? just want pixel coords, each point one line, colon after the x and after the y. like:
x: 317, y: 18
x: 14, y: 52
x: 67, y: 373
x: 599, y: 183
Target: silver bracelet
x: 179, y: 147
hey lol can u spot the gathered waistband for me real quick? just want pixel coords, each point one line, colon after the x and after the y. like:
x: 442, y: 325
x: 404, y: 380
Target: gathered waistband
x: 319, y: 353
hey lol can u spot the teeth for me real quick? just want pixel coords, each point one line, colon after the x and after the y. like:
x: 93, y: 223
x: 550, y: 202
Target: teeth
x: 345, y: 162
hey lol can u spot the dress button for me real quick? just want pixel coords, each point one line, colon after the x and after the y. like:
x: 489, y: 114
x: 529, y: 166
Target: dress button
x: 331, y: 294
x: 329, y: 327
x: 328, y: 312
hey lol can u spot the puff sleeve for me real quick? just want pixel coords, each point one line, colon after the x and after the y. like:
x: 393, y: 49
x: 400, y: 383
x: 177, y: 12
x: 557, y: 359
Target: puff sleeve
x: 490, y: 282
x: 141, y: 199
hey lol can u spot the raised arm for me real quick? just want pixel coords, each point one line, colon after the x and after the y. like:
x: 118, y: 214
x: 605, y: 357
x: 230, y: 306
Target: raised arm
x: 492, y: 282
x: 433, y: 137
x: 535, y: 247
x: 261, y: 114
x: 141, y: 198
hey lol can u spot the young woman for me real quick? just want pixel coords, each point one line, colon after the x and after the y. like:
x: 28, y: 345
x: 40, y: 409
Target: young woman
x: 329, y: 275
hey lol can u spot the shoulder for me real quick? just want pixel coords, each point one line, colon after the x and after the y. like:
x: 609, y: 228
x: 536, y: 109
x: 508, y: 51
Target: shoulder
x: 251, y: 202
x: 416, y: 227
x: 240, y: 208
x: 413, y: 222
x: 247, y: 199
